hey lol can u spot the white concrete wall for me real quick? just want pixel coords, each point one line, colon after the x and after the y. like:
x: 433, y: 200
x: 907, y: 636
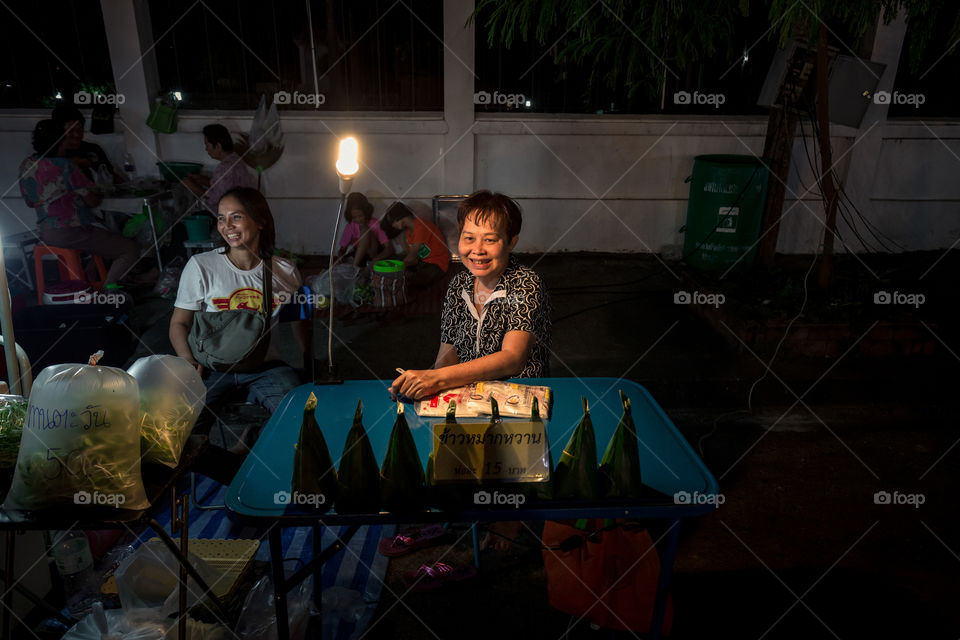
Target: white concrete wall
x: 587, y: 183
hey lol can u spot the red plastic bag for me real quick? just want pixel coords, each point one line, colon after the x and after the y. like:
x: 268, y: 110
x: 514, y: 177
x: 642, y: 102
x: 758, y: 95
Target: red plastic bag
x: 607, y: 575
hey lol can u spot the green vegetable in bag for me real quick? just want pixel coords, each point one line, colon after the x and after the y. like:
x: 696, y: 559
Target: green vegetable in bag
x: 359, y: 475
x: 313, y: 472
x: 576, y: 475
x: 13, y: 412
x: 620, y: 468
x: 401, y: 478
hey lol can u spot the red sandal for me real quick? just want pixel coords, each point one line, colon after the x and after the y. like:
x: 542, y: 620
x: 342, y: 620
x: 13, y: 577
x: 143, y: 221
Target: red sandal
x: 431, y: 577
x: 410, y: 540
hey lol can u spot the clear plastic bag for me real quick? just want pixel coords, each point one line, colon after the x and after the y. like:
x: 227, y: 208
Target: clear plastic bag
x: 171, y: 398
x: 81, y: 441
x: 13, y: 411
x: 150, y: 579
x: 118, y: 624
x: 258, y: 618
x: 169, y: 280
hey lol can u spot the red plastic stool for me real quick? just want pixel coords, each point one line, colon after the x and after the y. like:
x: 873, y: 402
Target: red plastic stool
x: 68, y: 260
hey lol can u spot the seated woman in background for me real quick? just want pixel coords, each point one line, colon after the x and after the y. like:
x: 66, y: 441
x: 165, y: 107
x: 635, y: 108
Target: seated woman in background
x: 496, y: 316
x: 230, y: 173
x: 362, y: 236
x: 427, y: 257
x: 63, y: 196
x: 231, y: 277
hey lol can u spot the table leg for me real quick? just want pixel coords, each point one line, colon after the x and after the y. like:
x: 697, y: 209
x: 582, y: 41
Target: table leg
x: 663, y: 583
x: 318, y: 579
x: 7, y: 584
x: 153, y: 232
x: 279, y: 582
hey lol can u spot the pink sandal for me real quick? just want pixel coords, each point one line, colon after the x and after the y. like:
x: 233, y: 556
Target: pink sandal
x: 410, y: 540
x: 431, y: 577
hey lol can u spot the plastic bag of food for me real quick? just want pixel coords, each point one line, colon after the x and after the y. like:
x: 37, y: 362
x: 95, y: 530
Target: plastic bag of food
x: 81, y: 440
x: 13, y: 411
x: 359, y: 475
x: 576, y: 475
x: 438, y: 405
x: 313, y: 472
x: 513, y: 399
x: 171, y: 398
x: 500, y: 453
x: 401, y: 477
x: 619, y: 472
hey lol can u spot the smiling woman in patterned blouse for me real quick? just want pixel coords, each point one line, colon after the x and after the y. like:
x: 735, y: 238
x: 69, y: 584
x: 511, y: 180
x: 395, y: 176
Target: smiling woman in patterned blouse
x: 496, y: 315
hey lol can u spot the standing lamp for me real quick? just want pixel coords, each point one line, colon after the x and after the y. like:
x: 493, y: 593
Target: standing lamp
x: 347, y: 167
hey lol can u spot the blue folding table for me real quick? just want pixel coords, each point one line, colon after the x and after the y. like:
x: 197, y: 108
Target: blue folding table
x: 669, y: 467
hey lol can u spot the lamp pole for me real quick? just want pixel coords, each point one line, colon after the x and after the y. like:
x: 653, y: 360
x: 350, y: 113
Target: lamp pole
x: 347, y: 167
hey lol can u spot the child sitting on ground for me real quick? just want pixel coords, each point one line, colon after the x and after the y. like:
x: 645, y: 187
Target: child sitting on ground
x: 362, y: 235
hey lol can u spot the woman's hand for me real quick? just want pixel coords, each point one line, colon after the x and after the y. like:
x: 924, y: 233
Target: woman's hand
x: 417, y: 383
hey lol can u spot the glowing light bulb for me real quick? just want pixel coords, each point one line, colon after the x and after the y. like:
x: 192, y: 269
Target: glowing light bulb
x: 347, y: 163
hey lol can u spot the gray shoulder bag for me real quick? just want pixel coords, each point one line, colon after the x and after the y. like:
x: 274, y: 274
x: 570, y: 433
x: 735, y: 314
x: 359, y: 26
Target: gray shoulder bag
x: 237, y: 339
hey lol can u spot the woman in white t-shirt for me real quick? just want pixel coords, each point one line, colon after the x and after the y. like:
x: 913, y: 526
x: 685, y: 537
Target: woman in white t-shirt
x: 231, y: 277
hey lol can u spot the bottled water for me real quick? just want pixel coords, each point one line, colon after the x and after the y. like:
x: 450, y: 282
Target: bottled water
x: 71, y: 553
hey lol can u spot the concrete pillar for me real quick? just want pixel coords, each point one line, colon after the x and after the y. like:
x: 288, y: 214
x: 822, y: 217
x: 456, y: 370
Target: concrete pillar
x: 130, y: 41
x: 865, y: 157
x: 458, y: 77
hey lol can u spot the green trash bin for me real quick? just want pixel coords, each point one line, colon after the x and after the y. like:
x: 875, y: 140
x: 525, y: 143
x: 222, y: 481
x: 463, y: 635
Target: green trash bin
x: 727, y: 195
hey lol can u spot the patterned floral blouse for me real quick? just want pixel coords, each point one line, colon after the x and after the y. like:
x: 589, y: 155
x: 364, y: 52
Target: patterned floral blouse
x: 519, y: 302
x: 54, y: 187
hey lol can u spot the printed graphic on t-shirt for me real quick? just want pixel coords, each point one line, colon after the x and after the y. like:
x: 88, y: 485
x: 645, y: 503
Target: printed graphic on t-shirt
x: 245, y: 298
x: 423, y: 252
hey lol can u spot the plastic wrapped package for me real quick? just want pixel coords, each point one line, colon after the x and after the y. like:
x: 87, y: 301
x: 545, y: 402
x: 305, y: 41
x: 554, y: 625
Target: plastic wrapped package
x: 473, y: 400
x: 13, y: 411
x: 81, y: 441
x: 513, y: 399
x: 171, y: 399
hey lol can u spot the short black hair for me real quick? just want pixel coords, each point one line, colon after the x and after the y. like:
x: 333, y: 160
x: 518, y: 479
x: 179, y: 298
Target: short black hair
x: 64, y: 113
x: 218, y: 134
x: 396, y: 211
x: 46, y: 138
x: 503, y: 210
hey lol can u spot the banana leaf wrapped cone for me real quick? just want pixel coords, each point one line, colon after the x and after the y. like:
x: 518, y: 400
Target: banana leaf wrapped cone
x: 313, y: 472
x: 444, y: 494
x: 620, y: 467
x: 359, y: 475
x: 575, y: 477
x: 401, y: 477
